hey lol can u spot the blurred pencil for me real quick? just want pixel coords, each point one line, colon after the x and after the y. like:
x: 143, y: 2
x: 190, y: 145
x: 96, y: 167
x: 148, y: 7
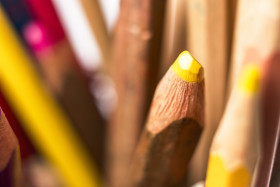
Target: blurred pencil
x: 57, y: 63
x: 44, y: 121
x: 206, y: 32
x: 173, y: 128
x: 97, y: 24
x: 135, y: 60
x: 10, y: 166
x: 235, y: 150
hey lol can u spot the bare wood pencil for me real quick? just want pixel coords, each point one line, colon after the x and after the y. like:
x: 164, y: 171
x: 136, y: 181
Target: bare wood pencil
x: 10, y: 166
x: 173, y: 128
x: 235, y: 150
x: 135, y: 60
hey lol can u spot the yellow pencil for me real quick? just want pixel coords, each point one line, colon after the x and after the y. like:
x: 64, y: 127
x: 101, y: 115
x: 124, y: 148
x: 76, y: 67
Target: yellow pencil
x: 44, y: 121
x: 236, y: 145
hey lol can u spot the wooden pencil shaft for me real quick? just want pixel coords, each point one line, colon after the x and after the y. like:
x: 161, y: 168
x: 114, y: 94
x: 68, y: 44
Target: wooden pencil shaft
x: 135, y: 58
x: 171, y: 134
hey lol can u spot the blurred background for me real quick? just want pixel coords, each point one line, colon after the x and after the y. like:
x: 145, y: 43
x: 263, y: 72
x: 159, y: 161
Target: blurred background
x: 77, y: 78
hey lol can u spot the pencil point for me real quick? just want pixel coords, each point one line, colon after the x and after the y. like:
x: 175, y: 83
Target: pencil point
x: 187, y: 67
x: 249, y: 79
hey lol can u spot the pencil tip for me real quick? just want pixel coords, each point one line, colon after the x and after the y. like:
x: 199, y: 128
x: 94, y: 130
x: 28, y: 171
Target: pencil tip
x: 187, y: 67
x: 249, y: 79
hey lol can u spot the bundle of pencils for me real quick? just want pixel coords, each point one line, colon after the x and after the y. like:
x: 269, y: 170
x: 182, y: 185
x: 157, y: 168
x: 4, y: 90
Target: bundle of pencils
x: 130, y: 93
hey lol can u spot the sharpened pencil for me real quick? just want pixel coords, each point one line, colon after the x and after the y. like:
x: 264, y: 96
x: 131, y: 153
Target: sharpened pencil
x: 173, y: 127
x: 10, y: 167
x: 235, y: 149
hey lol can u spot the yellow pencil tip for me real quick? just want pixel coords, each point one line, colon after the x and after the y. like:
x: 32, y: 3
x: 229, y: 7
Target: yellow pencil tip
x: 249, y: 79
x: 187, y: 67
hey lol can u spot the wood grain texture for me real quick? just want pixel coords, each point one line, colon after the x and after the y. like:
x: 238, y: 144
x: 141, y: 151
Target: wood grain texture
x: 10, y: 169
x: 135, y: 60
x: 207, y: 40
x: 171, y: 134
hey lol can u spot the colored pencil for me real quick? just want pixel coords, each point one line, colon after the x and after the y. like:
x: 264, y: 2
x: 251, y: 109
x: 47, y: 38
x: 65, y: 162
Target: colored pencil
x: 44, y: 121
x: 10, y: 166
x: 235, y: 150
x: 206, y: 32
x: 173, y: 127
x: 135, y: 61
